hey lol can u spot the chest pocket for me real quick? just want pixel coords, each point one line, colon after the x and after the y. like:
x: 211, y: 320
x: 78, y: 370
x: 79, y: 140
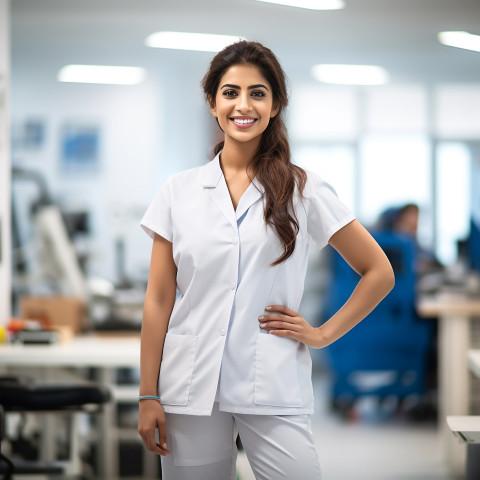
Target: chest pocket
x: 276, y: 373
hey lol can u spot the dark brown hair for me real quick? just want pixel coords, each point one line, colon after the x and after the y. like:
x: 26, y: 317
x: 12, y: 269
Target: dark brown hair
x: 271, y: 163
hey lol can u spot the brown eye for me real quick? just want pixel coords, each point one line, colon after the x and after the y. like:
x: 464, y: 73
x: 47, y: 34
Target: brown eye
x: 229, y: 93
x: 258, y: 93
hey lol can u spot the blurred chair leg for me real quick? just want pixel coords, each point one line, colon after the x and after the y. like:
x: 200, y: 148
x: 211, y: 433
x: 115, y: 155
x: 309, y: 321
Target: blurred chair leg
x: 74, y: 466
x: 47, y: 445
x: 473, y: 462
x: 7, y: 475
x: 108, y: 459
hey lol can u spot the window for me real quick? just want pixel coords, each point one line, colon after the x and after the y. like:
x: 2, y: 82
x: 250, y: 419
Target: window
x: 334, y: 163
x: 394, y: 170
x: 452, y: 198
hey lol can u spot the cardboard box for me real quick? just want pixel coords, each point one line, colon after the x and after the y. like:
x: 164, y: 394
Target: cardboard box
x: 56, y: 311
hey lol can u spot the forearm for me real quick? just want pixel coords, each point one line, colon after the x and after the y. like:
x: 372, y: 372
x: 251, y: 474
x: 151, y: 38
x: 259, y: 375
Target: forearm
x: 369, y: 292
x: 154, y: 328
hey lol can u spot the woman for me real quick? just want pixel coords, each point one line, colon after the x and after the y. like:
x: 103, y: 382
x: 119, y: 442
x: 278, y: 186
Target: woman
x: 230, y: 354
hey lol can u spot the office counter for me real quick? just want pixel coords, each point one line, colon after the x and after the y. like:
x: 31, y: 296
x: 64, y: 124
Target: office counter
x: 82, y: 351
x: 102, y: 353
x: 455, y: 312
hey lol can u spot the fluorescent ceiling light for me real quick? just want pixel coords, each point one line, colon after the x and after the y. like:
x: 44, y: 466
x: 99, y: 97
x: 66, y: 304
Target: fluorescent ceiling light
x: 310, y: 4
x: 101, y: 74
x: 465, y: 40
x: 350, y: 74
x: 201, y: 42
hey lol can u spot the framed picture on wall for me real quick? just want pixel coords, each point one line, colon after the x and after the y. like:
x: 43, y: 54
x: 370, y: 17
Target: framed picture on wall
x: 28, y: 135
x: 79, y: 143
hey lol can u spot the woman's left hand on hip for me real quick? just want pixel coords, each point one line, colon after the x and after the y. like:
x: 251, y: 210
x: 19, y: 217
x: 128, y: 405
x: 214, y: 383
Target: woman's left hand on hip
x: 285, y: 322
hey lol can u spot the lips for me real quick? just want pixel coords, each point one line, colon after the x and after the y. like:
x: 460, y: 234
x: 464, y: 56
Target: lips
x: 243, y: 122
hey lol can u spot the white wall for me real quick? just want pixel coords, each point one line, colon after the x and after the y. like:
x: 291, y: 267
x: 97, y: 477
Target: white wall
x: 4, y: 164
x: 147, y: 132
x: 127, y: 118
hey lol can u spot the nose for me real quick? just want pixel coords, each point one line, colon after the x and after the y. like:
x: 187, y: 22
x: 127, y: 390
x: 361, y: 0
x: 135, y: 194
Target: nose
x: 243, y: 102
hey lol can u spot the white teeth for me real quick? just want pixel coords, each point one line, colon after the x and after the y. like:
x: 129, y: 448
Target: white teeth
x: 237, y: 120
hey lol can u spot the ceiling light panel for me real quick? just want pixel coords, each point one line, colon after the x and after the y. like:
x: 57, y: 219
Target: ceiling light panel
x: 310, y: 4
x: 464, y: 40
x: 350, y: 74
x: 200, y: 42
x: 101, y: 74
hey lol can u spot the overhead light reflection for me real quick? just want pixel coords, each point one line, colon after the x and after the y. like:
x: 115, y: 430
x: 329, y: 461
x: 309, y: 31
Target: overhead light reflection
x: 460, y: 39
x: 101, y: 74
x: 310, y: 4
x: 201, y: 42
x: 350, y: 74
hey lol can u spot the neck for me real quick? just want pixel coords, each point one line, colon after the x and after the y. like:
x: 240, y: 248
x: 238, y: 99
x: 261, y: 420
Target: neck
x: 237, y: 157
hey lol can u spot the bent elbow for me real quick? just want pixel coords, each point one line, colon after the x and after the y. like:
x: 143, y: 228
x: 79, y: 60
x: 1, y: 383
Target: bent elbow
x: 388, y: 279
x: 391, y: 283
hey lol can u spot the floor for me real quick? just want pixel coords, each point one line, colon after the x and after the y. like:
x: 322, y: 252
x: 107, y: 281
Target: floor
x: 370, y: 447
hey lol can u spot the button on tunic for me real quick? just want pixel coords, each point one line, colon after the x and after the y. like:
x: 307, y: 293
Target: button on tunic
x: 225, y: 281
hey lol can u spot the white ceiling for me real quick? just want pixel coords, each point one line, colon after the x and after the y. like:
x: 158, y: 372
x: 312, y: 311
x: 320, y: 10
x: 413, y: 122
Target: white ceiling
x: 400, y: 35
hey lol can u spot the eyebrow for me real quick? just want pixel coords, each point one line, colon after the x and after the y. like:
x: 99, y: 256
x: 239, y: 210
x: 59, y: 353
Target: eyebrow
x: 259, y: 85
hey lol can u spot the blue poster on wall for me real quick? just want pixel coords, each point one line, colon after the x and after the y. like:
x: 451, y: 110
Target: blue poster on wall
x: 80, y: 148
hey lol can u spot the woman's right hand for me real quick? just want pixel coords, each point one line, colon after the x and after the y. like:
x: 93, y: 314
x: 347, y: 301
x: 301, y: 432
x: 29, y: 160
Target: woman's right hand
x: 150, y: 417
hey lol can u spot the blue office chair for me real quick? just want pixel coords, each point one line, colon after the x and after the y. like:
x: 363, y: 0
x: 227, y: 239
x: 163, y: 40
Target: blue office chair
x: 386, y: 353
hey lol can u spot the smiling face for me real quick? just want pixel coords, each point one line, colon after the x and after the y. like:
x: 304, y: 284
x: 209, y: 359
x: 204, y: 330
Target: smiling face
x: 243, y: 104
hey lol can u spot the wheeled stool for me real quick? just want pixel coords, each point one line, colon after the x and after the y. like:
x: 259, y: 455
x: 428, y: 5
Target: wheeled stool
x: 21, y: 394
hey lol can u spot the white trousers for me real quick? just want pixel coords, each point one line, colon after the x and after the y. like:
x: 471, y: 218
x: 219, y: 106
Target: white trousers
x: 204, y: 448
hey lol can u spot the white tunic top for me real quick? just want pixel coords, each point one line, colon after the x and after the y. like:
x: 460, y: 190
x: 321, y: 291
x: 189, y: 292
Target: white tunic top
x: 224, y: 283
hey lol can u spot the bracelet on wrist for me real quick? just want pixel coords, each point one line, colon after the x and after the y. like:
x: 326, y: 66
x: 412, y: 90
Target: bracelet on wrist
x: 148, y: 397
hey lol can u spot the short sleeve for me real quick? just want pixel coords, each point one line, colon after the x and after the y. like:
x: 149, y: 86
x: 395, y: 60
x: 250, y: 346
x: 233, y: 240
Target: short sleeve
x: 158, y: 217
x: 326, y: 212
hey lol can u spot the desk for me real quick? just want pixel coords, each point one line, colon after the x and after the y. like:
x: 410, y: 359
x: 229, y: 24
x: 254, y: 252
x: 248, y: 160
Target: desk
x: 104, y: 354
x: 454, y: 311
